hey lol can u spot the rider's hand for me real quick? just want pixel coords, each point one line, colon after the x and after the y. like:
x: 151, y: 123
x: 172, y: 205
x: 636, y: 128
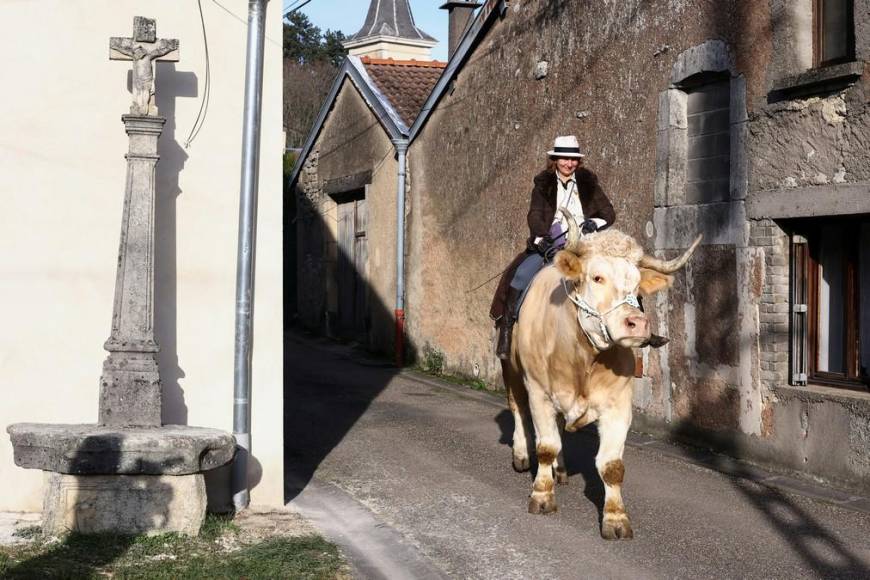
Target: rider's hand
x: 544, y: 245
x: 588, y: 227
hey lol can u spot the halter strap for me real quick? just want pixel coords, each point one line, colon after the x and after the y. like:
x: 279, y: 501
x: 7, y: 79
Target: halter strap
x: 587, y: 309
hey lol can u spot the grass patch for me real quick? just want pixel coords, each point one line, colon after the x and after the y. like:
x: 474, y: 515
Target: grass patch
x: 217, y: 525
x: 222, y: 551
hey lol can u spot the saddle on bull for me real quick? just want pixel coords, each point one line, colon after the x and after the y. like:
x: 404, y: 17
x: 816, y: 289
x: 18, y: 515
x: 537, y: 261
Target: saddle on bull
x: 571, y: 361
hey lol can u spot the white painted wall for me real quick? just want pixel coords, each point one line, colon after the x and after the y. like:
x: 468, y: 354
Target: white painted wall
x: 62, y: 171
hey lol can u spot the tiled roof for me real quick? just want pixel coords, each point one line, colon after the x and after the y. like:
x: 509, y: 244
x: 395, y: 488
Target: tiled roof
x: 390, y: 18
x: 406, y: 83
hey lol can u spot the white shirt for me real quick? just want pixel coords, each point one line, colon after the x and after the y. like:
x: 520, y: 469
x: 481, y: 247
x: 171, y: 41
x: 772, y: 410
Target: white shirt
x: 568, y: 197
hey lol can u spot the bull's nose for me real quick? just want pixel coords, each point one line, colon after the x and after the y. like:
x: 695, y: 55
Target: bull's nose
x: 637, y: 326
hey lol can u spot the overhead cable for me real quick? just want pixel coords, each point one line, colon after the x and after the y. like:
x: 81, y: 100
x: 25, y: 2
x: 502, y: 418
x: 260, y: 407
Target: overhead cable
x: 206, y: 91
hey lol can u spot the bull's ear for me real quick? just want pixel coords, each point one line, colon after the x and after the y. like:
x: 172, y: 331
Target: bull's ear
x: 569, y: 265
x: 652, y: 281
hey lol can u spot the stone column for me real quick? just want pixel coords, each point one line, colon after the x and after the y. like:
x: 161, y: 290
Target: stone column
x: 130, y: 392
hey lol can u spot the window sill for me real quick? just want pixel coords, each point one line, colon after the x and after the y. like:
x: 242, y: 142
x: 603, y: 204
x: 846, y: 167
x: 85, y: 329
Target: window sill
x: 815, y: 201
x: 817, y: 81
x: 821, y: 393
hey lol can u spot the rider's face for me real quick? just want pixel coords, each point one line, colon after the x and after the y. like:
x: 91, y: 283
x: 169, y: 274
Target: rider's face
x: 567, y: 165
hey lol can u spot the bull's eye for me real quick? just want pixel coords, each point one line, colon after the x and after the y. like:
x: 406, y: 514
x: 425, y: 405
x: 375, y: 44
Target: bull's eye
x: 598, y: 280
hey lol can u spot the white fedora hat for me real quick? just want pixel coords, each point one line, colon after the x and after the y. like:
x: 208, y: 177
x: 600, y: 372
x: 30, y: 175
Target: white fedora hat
x: 566, y: 146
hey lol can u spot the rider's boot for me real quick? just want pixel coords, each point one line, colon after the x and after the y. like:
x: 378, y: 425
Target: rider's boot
x: 506, y: 324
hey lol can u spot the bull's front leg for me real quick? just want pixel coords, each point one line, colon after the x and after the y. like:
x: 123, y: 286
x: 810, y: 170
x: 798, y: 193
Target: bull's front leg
x: 549, y: 445
x: 612, y: 429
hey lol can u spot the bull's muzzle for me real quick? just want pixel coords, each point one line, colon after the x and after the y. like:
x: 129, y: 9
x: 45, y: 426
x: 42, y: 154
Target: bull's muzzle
x: 630, y: 330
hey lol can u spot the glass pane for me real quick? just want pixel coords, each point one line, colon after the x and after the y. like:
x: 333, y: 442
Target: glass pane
x: 832, y: 289
x: 835, y: 20
x: 864, y: 300
x: 709, y: 143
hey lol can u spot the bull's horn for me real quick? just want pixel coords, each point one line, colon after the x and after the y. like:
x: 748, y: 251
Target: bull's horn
x: 669, y: 266
x: 573, y: 235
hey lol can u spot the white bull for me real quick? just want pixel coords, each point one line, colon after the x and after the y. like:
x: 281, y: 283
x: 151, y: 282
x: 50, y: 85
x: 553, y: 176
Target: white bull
x: 571, y: 361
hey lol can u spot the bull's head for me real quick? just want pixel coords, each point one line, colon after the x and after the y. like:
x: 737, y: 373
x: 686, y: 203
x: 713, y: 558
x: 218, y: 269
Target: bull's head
x: 604, y: 273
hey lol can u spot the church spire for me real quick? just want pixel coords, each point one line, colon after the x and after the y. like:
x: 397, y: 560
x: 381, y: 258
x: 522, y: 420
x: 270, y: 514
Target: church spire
x: 390, y: 32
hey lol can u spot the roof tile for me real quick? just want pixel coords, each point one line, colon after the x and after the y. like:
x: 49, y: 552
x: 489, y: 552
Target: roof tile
x: 405, y: 83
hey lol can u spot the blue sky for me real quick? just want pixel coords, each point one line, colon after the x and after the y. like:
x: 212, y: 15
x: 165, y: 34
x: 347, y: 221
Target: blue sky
x: 348, y: 16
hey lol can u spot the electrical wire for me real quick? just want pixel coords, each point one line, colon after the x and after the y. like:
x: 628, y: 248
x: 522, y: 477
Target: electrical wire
x: 206, y: 91
x: 299, y: 4
x: 242, y: 20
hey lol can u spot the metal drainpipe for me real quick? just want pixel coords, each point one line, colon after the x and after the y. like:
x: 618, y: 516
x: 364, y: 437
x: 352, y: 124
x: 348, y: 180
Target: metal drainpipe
x: 401, y: 149
x: 247, y: 249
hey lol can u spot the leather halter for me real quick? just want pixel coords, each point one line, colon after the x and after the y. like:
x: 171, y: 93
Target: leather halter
x: 586, y: 310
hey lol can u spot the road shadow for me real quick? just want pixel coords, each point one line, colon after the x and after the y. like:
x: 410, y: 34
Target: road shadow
x: 818, y: 547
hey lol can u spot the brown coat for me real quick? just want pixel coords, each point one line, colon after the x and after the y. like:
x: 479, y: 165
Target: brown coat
x: 542, y: 210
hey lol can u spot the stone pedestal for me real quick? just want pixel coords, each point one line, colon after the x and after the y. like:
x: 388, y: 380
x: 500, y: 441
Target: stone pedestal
x: 123, y: 504
x: 121, y: 480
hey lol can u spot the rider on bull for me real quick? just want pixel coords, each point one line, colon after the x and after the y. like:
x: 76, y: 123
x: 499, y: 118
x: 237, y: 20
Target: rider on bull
x: 564, y: 183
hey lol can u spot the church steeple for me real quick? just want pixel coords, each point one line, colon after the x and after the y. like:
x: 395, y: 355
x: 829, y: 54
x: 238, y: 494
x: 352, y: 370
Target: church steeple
x: 389, y: 32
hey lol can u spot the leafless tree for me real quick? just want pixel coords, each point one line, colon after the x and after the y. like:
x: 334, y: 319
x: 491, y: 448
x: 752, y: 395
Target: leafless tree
x: 305, y: 88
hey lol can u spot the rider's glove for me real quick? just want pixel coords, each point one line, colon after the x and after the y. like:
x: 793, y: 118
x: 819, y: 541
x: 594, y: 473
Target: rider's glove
x: 544, y: 245
x: 588, y: 227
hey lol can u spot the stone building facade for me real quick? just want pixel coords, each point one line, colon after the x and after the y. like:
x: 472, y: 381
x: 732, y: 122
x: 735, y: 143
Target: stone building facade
x: 732, y: 119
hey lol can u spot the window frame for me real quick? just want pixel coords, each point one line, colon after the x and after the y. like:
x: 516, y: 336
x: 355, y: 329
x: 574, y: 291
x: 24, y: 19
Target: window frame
x: 805, y: 302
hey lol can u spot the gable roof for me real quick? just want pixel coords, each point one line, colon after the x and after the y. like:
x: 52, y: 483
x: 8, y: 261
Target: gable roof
x: 405, y: 83
x: 394, y: 104
x: 390, y: 18
x: 376, y: 97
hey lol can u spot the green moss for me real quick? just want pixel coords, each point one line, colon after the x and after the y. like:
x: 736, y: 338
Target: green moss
x: 28, y: 533
x: 473, y: 383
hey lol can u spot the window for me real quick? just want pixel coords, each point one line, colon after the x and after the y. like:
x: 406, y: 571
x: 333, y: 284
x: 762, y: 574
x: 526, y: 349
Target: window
x: 834, y: 32
x: 831, y: 302
x: 708, y: 110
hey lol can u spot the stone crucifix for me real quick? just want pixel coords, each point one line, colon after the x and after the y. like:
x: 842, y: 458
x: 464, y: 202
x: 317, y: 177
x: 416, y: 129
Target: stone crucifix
x: 143, y: 48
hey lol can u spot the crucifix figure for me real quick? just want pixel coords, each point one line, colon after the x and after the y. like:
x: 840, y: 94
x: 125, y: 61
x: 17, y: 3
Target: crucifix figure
x: 143, y: 48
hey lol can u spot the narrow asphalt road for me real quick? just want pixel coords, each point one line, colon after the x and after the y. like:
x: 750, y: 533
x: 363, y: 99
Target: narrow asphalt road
x: 413, y: 479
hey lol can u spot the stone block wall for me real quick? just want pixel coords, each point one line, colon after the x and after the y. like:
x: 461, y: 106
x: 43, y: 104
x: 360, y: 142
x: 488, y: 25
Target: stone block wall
x: 767, y: 237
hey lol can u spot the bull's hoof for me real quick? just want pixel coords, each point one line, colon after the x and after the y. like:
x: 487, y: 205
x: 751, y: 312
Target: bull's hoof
x: 521, y: 464
x: 616, y: 528
x: 542, y: 503
x: 561, y: 476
